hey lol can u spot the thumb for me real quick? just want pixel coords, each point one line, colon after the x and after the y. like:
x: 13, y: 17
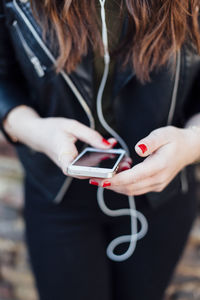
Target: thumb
x: 152, y: 142
x: 66, y: 155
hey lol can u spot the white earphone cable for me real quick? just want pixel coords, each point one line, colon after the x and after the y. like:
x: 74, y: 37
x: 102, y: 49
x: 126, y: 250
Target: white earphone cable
x: 131, y: 211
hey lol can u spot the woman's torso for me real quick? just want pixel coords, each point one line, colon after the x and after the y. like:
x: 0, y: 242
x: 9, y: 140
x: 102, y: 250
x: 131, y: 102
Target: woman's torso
x: 136, y: 108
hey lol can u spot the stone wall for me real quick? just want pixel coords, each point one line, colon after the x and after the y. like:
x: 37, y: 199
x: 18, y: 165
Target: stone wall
x: 16, y: 280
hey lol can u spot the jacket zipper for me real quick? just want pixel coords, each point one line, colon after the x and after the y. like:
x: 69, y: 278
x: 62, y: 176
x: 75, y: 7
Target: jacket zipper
x: 39, y: 68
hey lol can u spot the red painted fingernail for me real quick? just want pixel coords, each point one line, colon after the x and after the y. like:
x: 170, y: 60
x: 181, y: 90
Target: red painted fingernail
x: 105, y: 142
x: 105, y: 157
x: 93, y: 182
x: 143, y: 147
x: 106, y: 183
x: 114, y: 144
x: 125, y: 168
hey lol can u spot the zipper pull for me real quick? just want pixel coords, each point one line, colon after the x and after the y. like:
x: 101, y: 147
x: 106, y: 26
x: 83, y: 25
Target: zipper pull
x: 37, y: 65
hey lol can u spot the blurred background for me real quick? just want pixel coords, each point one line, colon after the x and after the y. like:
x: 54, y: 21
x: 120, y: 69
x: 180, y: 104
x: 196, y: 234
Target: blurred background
x: 16, y: 280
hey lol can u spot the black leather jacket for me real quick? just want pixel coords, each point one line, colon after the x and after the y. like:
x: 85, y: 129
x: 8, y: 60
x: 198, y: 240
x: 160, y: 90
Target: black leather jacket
x: 27, y: 77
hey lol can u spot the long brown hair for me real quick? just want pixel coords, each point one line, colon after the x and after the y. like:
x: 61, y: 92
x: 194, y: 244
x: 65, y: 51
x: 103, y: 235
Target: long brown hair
x: 156, y: 30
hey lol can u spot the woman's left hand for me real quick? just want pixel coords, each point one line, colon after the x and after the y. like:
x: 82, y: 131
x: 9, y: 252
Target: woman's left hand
x: 167, y: 151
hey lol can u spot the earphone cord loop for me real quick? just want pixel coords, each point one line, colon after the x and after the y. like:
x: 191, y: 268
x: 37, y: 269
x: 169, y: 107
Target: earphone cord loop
x: 131, y: 211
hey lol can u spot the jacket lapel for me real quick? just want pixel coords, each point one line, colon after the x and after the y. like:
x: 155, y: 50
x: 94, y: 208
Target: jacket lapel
x: 82, y: 77
x: 122, y: 76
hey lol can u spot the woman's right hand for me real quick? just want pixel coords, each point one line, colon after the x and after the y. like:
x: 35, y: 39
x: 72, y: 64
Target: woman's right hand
x: 59, y: 135
x: 55, y: 137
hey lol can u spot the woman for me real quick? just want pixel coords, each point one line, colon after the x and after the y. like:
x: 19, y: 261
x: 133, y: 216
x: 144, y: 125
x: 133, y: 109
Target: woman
x: 51, y: 62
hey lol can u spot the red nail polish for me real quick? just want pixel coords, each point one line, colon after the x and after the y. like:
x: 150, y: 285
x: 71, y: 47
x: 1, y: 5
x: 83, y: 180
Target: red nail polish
x: 105, y: 157
x: 105, y: 142
x: 93, y: 182
x: 143, y: 147
x: 114, y: 144
x: 125, y: 168
x: 106, y: 183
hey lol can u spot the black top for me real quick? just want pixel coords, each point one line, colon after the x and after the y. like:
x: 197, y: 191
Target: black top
x: 137, y: 108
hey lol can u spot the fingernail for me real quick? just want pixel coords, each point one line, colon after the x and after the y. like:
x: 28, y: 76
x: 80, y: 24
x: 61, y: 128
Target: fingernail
x: 105, y: 142
x: 125, y: 168
x: 143, y: 147
x: 114, y: 143
x: 106, y: 183
x: 93, y: 182
x: 105, y: 157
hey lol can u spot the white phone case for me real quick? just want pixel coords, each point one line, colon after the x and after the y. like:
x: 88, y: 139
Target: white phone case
x: 77, y: 170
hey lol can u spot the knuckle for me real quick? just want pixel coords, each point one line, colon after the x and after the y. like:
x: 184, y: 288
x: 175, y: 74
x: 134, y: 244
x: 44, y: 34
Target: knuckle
x: 154, y: 138
x: 162, y: 179
x: 94, y: 135
x: 155, y: 134
x: 116, y: 182
x: 162, y: 165
x: 138, y: 178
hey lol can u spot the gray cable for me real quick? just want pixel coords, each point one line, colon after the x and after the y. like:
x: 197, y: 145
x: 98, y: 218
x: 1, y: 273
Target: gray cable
x: 131, y: 211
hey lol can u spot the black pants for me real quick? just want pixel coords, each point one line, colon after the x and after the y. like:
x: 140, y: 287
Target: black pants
x: 67, y: 245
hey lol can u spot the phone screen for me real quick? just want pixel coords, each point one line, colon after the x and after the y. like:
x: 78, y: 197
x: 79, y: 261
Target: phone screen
x: 97, y: 159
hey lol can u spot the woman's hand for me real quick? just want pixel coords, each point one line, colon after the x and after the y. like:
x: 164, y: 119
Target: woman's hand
x: 167, y: 151
x: 55, y: 137
x: 59, y: 135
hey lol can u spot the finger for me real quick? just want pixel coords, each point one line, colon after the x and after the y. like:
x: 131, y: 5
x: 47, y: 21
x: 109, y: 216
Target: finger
x: 159, y: 179
x: 66, y: 155
x: 112, y: 141
x: 130, y: 191
x: 153, y: 141
x: 129, y: 160
x: 152, y: 184
x: 126, y: 159
x: 90, y: 136
x: 149, y: 167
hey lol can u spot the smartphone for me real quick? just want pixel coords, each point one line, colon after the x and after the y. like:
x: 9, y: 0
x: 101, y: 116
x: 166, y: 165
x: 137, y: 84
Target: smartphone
x: 93, y: 162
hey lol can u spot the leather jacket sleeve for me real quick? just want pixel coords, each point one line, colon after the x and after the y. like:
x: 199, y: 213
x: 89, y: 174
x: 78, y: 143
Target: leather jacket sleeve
x: 13, y: 91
